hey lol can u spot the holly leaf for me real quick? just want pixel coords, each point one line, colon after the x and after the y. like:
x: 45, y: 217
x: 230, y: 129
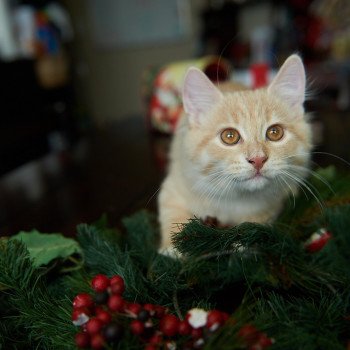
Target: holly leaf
x: 45, y: 247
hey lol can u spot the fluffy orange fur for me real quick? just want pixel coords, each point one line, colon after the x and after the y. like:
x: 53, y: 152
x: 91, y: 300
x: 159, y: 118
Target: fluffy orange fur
x: 210, y: 178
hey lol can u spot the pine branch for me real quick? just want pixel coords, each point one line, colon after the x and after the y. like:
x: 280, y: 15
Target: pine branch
x: 17, y: 270
x: 256, y: 253
x: 142, y: 237
x: 103, y: 257
x: 31, y: 309
x: 311, y: 323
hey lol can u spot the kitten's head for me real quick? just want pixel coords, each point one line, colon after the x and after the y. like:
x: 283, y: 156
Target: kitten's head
x: 253, y: 139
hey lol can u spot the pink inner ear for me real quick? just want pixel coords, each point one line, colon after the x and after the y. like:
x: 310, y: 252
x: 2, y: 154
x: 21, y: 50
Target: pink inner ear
x: 289, y: 84
x: 199, y: 93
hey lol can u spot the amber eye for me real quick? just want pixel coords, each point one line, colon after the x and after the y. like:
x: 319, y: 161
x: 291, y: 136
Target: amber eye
x: 230, y: 136
x: 274, y: 132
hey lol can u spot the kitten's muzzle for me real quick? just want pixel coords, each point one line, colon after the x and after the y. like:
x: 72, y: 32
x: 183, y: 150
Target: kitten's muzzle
x: 257, y: 162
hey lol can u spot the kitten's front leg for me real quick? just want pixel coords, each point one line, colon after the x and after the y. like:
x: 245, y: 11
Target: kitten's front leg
x: 172, y: 213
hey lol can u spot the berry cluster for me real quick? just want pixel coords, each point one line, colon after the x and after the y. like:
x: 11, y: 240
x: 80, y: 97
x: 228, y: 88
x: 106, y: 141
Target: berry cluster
x: 318, y: 240
x: 106, y: 317
x: 96, y: 315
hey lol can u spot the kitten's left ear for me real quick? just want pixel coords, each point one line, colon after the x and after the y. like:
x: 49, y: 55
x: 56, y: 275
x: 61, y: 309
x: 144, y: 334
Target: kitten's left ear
x: 289, y: 84
x: 199, y: 94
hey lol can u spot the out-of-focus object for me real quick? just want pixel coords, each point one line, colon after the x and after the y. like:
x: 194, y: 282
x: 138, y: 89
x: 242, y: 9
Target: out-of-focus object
x: 51, y: 63
x: 8, y: 44
x: 257, y: 76
x: 131, y: 23
x: 60, y: 18
x: 25, y: 24
x: 29, y: 32
x: 261, y: 40
x: 260, y: 75
x: 261, y: 45
x: 52, y: 70
x: 36, y: 95
x: 162, y: 90
x: 336, y: 16
x: 336, y: 13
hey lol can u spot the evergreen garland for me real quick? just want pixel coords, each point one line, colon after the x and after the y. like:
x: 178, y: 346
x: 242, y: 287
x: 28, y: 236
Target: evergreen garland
x: 260, y: 274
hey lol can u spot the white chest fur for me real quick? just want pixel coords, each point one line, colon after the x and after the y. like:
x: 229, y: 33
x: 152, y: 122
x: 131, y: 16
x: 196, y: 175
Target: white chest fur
x: 227, y: 203
x: 234, y: 211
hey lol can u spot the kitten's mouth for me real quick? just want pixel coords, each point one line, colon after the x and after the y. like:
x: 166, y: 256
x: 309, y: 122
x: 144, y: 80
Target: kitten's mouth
x: 257, y: 176
x: 257, y: 181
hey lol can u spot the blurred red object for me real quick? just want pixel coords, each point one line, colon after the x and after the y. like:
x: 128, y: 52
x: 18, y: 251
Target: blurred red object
x: 259, y: 72
x: 162, y: 89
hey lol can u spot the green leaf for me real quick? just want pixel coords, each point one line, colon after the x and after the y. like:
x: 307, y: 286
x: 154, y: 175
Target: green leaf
x: 45, y: 247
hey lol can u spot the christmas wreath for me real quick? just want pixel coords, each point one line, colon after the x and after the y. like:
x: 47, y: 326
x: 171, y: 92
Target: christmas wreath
x: 280, y: 286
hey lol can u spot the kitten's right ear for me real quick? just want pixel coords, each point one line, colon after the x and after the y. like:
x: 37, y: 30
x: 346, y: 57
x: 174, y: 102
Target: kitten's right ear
x: 289, y: 83
x: 199, y: 94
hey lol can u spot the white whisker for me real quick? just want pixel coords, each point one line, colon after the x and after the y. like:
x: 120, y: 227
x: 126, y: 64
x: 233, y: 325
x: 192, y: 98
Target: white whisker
x: 149, y: 200
x: 333, y: 155
x: 315, y: 174
x: 291, y: 190
x: 306, y: 184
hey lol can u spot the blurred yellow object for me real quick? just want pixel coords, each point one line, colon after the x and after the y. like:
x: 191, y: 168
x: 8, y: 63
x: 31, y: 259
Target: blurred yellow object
x: 164, y: 100
x: 340, y: 49
x: 52, y: 70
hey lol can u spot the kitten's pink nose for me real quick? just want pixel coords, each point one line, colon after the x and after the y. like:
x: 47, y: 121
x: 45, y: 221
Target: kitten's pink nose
x: 257, y: 162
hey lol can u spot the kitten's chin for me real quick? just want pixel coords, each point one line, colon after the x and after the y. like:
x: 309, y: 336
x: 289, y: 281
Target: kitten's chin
x: 256, y: 183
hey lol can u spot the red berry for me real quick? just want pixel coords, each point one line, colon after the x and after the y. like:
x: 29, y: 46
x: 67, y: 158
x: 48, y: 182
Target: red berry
x: 184, y: 328
x: 80, y: 316
x: 117, y: 279
x: 82, y: 340
x: 214, y: 319
x: 83, y: 300
x: 100, y: 283
x: 117, y: 288
x: 317, y: 244
x: 150, y: 308
x: 104, y: 316
x: 196, y: 333
x: 134, y: 309
x: 116, y: 303
x: 94, y: 325
x: 248, y: 333
x: 97, y: 342
x: 160, y: 311
x: 137, y: 327
x: 225, y: 316
x: 169, y: 325
x: 264, y: 341
x: 151, y: 347
x: 98, y: 309
x: 155, y: 339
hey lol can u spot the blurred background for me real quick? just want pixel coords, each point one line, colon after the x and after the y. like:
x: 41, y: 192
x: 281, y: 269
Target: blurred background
x: 90, y: 93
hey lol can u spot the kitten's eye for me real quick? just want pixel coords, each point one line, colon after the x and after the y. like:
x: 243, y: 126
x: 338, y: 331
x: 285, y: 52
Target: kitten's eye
x: 274, y: 132
x: 230, y: 136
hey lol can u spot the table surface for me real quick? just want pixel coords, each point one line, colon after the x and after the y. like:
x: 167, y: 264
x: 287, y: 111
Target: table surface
x: 112, y: 171
x: 115, y: 171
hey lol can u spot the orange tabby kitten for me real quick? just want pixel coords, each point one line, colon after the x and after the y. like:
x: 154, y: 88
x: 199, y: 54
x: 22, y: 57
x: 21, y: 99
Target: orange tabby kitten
x: 238, y: 154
